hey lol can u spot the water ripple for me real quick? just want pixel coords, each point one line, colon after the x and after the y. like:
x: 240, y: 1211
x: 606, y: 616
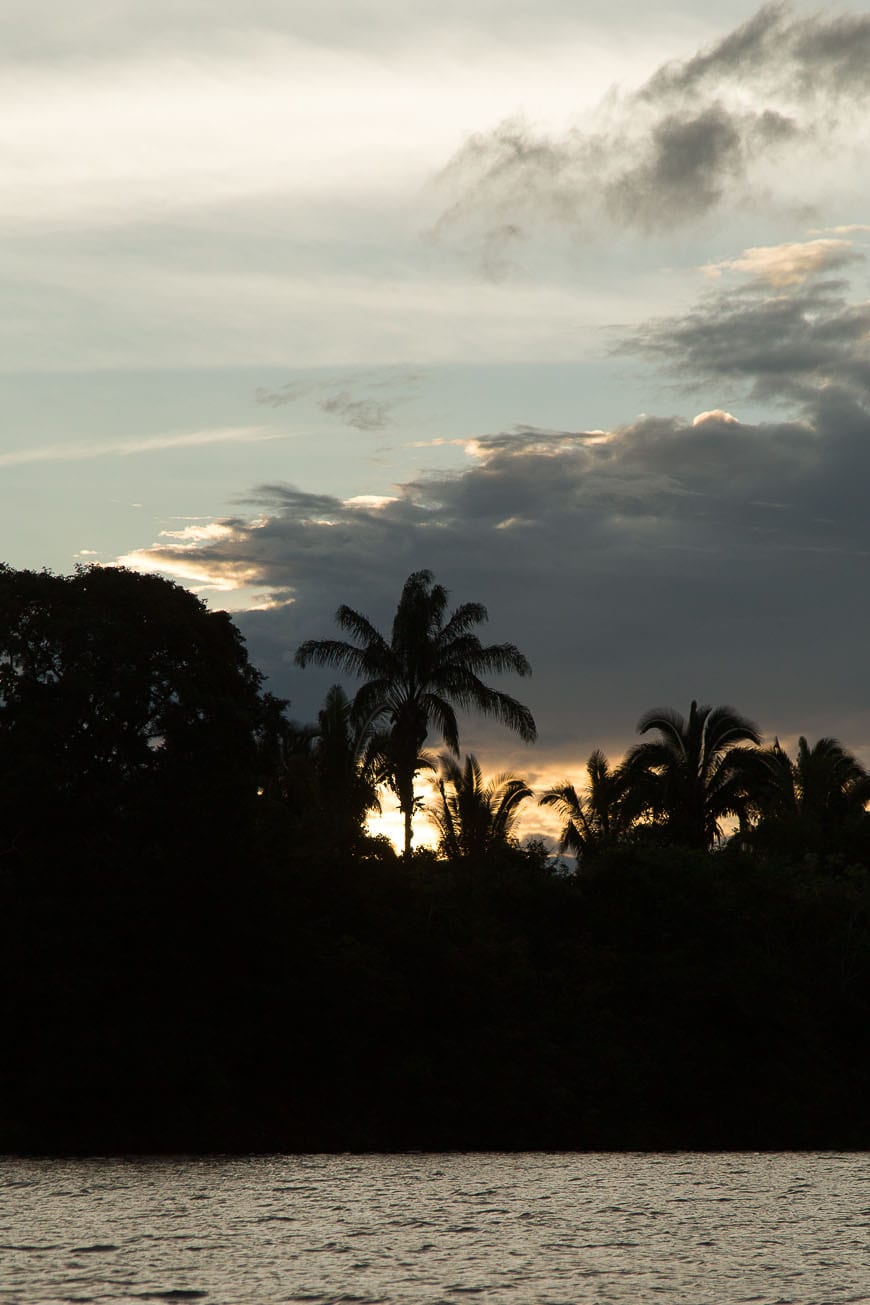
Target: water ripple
x: 515, y: 1230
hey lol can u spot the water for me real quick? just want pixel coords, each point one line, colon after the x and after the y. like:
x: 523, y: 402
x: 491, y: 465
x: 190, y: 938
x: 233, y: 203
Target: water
x: 512, y: 1229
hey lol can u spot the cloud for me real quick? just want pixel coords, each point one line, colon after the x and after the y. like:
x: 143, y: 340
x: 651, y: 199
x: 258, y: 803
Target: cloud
x: 670, y: 558
x: 364, y: 400
x: 811, y: 56
x: 340, y: 396
x: 717, y: 415
x: 687, y: 163
x: 690, y: 139
x: 801, y: 346
x: 848, y: 229
x: 750, y: 49
x: 146, y: 444
x: 361, y: 413
x: 790, y: 264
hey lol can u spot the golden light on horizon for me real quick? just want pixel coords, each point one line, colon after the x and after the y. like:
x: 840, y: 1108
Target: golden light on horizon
x: 534, y: 821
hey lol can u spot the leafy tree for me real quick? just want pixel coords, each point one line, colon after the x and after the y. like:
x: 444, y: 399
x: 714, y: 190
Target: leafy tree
x: 430, y: 666
x: 121, y: 695
x: 474, y: 818
x: 694, y: 774
x: 324, y: 776
x: 597, y: 818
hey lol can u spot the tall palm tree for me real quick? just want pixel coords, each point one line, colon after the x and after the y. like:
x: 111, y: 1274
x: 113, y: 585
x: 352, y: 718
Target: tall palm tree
x: 695, y: 773
x: 430, y: 666
x: 596, y: 818
x: 474, y: 818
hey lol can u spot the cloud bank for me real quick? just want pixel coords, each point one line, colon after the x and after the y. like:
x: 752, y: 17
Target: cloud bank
x: 667, y: 559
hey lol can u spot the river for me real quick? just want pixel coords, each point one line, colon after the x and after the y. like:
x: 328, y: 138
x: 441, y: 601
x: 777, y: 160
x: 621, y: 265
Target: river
x: 526, y: 1229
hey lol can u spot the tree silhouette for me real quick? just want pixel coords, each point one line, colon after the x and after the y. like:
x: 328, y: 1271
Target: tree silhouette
x: 344, y: 768
x: 430, y: 666
x: 322, y: 776
x: 695, y: 773
x: 597, y: 818
x: 812, y: 802
x: 474, y: 818
x: 122, y: 698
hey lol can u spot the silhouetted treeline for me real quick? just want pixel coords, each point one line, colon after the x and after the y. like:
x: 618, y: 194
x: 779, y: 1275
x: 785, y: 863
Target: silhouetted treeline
x: 191, y: 960
x: 667, y: 999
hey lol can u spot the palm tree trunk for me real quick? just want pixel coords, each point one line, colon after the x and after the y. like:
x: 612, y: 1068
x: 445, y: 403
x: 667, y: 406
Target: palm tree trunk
x: 405, y: 788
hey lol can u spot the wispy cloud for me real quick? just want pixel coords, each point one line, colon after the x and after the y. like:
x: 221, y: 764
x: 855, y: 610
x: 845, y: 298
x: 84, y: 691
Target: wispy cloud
x: 135, y: 446
x: 187, y: 555
x: 790, y: 264
x: 366, y: 401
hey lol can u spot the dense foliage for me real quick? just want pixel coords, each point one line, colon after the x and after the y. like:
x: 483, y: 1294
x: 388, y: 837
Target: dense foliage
x: 190, y: 961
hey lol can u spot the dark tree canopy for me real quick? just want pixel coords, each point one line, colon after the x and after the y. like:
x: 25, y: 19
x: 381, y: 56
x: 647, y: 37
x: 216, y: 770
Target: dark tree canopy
x: 187, y: 966
x: 695, y: 774
x: 119, y: 690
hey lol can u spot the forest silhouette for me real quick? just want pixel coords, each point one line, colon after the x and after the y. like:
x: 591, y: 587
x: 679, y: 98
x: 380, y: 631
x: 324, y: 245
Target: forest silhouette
x: 205, y: 950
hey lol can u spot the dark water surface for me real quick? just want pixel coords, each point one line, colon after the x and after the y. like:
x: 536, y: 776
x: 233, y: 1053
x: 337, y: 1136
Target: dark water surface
x: 789, y: 1229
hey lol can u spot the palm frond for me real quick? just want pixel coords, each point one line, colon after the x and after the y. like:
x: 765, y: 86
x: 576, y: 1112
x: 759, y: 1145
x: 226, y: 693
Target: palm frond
x: 471, y: 694
x: 359, y: 626
x: 494, y: 659
x: 333, y: 653
x: 668, y: 722
x: 460, y: 622
x: 442, y: 715
x: 725, y: 727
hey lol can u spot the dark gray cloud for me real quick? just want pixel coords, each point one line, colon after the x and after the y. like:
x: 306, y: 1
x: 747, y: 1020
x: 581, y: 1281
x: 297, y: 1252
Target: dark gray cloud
x: 688, y: 162
x: 670, y: 152
x: 751, y: 49
x: 812, y: 55
x: 665, y: 560
x: 793, y: 346
x: 721, y: 561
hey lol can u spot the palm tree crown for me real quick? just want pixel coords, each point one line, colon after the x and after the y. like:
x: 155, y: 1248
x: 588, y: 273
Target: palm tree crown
x: 473, y: 817
x: 431, y: 666
x: 812, y: 800
x: 695, y: 773
x: 598, y: 817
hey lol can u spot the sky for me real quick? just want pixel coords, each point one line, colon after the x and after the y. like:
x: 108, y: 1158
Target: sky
x: 566, y: 304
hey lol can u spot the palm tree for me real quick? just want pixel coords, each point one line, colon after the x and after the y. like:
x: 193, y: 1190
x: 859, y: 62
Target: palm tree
x: 811, y: 801
x: 831, y: 783
x: 430, y: 666
x: 597, y: 818
x: 473, y: 817
x: 695, y: 773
